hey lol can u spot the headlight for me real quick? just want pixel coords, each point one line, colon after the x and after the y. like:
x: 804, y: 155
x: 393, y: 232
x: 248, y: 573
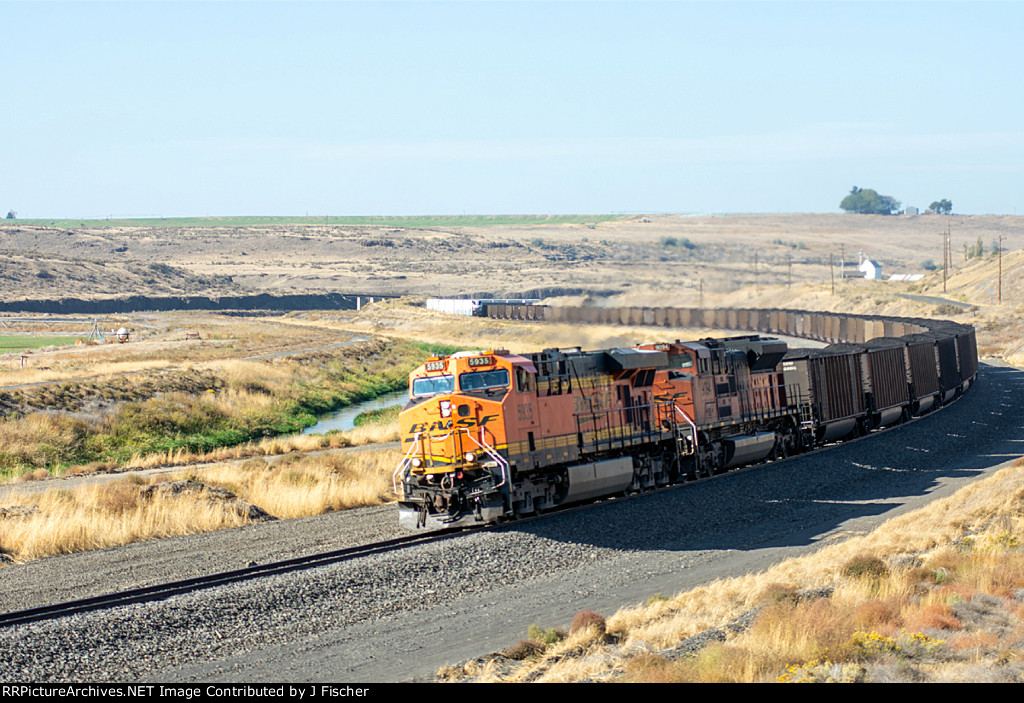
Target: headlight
x: 417, y: 462
x: 470, y: 457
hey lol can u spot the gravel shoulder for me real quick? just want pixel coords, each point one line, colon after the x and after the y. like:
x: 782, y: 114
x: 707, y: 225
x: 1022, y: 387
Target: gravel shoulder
x: 72, y: 576
x: 401, y: 616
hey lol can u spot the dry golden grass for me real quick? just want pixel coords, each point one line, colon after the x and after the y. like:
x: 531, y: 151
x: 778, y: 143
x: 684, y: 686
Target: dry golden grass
x: 303, y: 485
x: 38, y: 438
x: 14, y: 376
x: 258, y: 376
x: 584, y: 643
x: 120, y: 512
x: 106, y: 515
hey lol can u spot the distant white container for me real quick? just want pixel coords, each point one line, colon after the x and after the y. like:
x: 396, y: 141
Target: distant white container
x: 453, y: 306
x: 471, y: 307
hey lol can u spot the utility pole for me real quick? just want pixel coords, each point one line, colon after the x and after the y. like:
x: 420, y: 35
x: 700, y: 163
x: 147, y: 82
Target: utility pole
x: 949, y: 245
x: 945, y: 261
x: 832, y: 273
x: 789, y: 270
x: 702, y: 294
x: 755, y: 272
x: 842, y: 262
x: 1000, y: 268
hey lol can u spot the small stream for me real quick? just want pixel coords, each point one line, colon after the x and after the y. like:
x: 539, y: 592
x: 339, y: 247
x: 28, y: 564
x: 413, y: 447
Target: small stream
x: 343, y: 419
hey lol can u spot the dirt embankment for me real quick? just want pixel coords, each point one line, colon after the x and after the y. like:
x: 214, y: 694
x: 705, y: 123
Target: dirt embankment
x: 136, y: 303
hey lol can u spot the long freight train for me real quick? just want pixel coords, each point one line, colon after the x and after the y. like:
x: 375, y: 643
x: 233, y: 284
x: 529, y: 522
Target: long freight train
x: 489, y: 436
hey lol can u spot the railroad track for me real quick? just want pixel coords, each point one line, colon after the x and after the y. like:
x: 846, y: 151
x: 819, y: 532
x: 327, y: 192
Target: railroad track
x: 163, y: 591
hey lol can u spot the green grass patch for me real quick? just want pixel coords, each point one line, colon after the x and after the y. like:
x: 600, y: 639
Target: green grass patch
x: 384, y: 220
x: 380, y: 416
x: 14, y: 343
x: 440, y: 349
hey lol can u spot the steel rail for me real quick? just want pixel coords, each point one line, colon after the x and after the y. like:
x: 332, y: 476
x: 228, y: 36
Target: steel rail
x: 164, y: 591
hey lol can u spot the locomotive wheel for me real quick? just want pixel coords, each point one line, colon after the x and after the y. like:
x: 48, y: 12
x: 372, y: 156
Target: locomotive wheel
x: 779, y: 451
x: 524, y: 508
x: 703, y: 462
x: 694, y: 468
x: 710, y: 461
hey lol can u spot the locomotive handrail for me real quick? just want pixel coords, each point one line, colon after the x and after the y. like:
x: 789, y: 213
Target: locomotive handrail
x: 491, y: 452
x: 693, y: 426
x: 646, y: 433
x: 407, y: 459
x: 689, y: 422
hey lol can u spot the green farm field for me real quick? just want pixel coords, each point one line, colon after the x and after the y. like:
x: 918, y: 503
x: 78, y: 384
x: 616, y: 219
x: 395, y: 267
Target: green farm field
x: 414, y: 221
x: 15, y: 343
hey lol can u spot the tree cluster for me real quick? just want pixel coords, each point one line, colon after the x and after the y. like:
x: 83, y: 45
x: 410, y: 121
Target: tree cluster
x: 977, y: 250
x: 942, y: 207
x: 974, y: 251
x: 866, y: 201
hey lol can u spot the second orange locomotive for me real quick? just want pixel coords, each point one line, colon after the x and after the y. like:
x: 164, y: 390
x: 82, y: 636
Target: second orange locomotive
x: 493, y: 435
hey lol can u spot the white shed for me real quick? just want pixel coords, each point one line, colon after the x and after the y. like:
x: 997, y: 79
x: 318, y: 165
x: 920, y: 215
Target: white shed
x: 870, y: 269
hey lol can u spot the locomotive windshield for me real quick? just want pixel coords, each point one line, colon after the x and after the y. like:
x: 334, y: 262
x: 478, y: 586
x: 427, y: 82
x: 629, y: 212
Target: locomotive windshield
x: 482, y: 380
x: 683, y: 361
x: 432, y: 385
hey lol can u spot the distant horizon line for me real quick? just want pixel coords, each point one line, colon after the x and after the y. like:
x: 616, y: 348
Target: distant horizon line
x: 339, y: 219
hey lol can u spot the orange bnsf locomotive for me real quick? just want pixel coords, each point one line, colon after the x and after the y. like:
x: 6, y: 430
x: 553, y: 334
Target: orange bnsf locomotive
x: 493, y: 435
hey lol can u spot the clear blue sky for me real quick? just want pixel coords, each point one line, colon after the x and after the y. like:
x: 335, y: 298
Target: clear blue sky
x: 347, y: 108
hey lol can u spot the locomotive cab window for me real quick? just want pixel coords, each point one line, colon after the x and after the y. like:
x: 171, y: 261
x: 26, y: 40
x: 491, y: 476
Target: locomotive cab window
x: 483, y: 380
x: 683, y: 361
x: 526, y: 382
x: 432, y: 385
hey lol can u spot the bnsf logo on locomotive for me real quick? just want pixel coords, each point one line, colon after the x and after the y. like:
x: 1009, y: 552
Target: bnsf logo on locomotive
x: 444, y: 425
